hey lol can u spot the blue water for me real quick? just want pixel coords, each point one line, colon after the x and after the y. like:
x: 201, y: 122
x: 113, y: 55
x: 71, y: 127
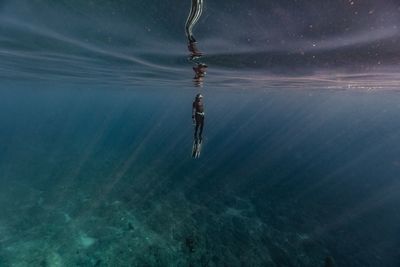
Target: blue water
x: 300, y: 155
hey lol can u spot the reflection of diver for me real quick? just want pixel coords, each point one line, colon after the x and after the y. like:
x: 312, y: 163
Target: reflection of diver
x: 200, y: 72
x: 195, y: 55
x: 194, y: 15
x: 194, y: 51
x: 199, y: 68
x: 198, y: 120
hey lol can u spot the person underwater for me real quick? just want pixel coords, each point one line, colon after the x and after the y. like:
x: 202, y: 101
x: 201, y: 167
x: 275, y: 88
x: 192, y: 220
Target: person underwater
x: 198, y: 116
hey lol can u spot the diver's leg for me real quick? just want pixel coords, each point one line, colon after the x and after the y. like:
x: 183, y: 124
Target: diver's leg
x: 201, y: 128
x: 196, y: 128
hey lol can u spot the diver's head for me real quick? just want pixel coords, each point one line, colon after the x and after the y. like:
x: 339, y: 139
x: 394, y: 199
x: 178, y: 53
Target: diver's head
x: 199, y: 96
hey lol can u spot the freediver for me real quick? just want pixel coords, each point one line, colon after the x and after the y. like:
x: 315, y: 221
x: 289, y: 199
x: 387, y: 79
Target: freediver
x: 198, y: 117
x: 194, y: 15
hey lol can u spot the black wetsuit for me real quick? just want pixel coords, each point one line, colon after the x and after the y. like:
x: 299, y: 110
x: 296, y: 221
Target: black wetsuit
x: 198, y: 115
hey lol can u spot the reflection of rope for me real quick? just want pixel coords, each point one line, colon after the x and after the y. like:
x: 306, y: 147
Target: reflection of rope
x: 194, y: 15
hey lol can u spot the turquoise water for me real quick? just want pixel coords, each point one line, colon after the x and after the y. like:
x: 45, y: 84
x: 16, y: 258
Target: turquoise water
x: 104, y: 176
x: 300, y: 158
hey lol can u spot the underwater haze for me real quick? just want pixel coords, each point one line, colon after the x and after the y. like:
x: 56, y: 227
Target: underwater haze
x: 300, y: 155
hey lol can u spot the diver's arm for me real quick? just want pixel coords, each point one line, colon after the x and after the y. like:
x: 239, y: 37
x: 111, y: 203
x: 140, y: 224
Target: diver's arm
x: 193, y: 110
